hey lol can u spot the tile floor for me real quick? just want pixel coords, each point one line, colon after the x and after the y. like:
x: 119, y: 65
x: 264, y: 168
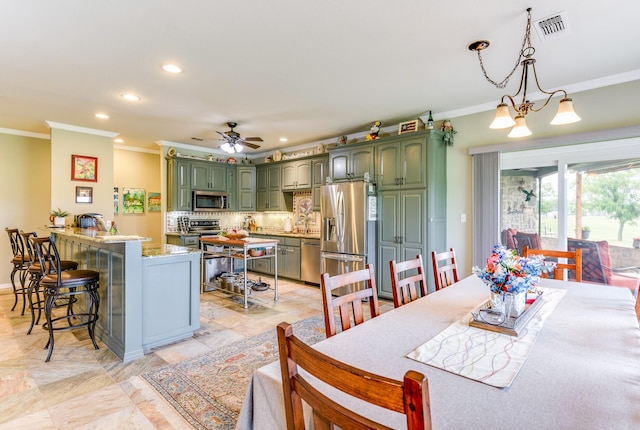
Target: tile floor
x: 81, y: 388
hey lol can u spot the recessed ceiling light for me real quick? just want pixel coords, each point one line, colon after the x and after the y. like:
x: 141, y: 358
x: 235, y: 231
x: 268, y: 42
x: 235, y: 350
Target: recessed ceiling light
x: 102, y: 116
x: 171, y: 68
x: 118, y: 140
x: 283, y: 139
x: 131, y: 97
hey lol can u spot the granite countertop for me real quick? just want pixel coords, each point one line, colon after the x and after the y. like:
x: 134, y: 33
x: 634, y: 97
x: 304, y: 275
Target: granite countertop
x: 160, y: 250
x: 298, y: 235
x: 259, y: 234
x: 97, y: 235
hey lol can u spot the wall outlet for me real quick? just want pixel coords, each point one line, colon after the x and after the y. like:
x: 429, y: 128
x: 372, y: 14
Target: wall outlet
x: 463, y: 217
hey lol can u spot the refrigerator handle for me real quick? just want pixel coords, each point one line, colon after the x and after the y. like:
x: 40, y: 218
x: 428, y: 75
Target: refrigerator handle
x: 341, y: 217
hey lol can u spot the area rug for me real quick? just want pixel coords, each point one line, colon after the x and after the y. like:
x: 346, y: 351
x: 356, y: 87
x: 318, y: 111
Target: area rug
x: 208, y: 390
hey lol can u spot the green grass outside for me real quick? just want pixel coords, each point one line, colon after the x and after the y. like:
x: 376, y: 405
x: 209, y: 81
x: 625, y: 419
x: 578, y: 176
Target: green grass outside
x: 602, y: 228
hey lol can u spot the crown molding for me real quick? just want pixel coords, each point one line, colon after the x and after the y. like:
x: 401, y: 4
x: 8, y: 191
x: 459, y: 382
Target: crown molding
x: 25, y: 133
x: 68, y: 127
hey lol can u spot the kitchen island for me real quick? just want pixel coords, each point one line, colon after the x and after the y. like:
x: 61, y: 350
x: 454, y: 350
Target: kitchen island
x: 149, y: 293
x: 241, y: 249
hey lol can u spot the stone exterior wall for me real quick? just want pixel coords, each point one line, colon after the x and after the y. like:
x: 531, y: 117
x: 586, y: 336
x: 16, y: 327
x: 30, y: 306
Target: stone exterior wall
x: 516, y: 212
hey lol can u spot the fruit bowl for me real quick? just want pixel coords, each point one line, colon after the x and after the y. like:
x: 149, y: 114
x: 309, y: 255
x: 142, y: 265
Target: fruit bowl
x: 256, y: 252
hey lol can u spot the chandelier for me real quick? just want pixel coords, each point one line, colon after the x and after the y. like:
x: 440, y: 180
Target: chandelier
x: 565, y: 114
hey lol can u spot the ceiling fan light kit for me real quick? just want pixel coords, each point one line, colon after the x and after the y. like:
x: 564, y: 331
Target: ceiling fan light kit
x: 232, y: 142
x: 565, y: 114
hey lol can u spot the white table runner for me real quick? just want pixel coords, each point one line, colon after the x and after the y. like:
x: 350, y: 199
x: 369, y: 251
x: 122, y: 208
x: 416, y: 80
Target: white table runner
x: 486, y: 356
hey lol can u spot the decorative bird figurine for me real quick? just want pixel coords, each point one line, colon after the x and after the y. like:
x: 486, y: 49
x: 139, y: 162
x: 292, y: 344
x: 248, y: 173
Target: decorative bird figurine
x: 529, y: 195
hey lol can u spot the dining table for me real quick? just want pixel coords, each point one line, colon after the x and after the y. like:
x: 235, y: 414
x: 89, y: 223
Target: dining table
x: 582, y: 370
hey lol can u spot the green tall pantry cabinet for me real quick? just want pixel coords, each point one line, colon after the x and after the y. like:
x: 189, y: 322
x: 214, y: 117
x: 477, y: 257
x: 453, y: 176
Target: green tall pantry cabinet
x: 411, y: 182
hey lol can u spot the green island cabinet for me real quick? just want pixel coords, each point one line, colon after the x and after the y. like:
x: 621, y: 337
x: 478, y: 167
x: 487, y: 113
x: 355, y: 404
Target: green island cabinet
x: 178, y: 184
x: 411, y: 205
x: 352, y: 161
x: 296, y: 175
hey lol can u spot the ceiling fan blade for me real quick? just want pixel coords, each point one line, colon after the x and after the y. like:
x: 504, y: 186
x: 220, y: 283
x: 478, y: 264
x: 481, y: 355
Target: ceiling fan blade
x: 252, y: 139
x: 223, y: 134
x: 203, y: 139
x: 250, y: 145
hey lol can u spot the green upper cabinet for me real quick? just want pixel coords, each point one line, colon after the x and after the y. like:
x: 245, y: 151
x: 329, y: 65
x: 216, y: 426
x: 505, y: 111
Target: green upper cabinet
x: 269, y: 196
x: 296, y: 175
x: 402, y: 163
x: 178, y: 185
x: 232, y: 187
x: 246, y: 176
x: 208, y: 176
x: 320, y: 169
x: 352, y: 163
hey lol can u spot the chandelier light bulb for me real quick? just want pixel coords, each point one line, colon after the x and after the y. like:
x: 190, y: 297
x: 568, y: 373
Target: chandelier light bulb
x: 520, y: 129
x: 503, y: 118
x: 225, y: 147
x: 237, y: 147
x: 565, y: 114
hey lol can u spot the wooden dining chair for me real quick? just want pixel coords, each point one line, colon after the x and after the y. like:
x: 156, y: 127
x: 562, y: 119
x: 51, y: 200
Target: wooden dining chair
x: 351, y: 300
x: 409, y: 396
x: 404, y: 290
x: 558, y: 272
x: 446, y: 274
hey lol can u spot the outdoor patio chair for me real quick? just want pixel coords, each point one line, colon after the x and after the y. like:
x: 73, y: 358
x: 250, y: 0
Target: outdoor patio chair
x: 597, y: 267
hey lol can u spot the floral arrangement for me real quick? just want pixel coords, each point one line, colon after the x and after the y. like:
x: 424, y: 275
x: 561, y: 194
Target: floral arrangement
x: 507, y: 272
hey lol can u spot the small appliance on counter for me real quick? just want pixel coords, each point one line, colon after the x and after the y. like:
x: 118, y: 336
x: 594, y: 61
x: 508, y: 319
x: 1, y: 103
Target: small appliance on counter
x: 91, y: 221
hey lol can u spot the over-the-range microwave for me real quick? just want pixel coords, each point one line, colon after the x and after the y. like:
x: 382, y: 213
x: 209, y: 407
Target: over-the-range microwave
x: 206, y: 201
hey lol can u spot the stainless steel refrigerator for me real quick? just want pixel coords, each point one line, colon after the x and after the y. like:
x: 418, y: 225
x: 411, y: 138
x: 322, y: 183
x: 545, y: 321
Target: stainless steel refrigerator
x: 348, y: 239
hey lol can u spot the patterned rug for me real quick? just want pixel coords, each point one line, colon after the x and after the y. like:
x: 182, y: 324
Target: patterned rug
x: 208, y: 390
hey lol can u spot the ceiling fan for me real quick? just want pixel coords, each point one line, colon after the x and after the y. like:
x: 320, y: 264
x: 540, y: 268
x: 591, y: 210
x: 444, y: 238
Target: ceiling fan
x: 232, y: 142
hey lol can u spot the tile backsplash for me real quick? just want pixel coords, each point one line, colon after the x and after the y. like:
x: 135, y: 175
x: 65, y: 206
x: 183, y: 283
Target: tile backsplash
x: 302, y: 214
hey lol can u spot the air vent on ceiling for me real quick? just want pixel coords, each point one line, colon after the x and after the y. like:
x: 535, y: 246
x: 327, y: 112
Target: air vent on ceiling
x: 553, y: 26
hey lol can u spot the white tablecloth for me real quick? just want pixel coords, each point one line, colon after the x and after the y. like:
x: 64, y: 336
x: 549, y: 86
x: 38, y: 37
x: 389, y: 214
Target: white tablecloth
x: 583, y: 371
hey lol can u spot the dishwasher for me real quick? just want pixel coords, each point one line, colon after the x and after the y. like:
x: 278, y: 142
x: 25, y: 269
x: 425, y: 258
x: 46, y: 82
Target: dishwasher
x: 310, y: 261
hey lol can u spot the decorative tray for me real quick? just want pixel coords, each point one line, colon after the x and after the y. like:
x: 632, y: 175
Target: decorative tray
x: 486, y: 318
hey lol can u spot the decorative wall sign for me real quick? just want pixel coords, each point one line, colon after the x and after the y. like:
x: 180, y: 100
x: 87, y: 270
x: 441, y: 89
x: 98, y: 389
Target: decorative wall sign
x: 84, y: 168
x: 154, y: 202
x: 410, y: 126
x: 84, y: 194
x: 133, y: 200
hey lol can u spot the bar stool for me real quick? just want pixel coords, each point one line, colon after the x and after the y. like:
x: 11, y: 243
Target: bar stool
x: 34, y: 273
x: 72, y: 285
x: 20, y: 263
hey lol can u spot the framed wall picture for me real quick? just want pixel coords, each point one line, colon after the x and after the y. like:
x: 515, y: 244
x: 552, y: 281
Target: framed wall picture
x: 84, y: 194
x: 133, y: 200
x: 154, y: 202
x: 84, y: 168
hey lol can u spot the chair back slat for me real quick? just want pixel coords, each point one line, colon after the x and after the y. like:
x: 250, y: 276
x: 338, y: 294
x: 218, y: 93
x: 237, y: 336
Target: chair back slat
x: 409, y: 396
x: 558, y: 273
x: 404, y: 289
x: 444, y: 274
x: 348, y: 305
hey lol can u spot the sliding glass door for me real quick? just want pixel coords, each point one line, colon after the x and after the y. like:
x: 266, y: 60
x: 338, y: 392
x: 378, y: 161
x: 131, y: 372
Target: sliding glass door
x: 585, y: 196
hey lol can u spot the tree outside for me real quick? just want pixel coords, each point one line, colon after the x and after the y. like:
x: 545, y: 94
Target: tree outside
x: 615, y: 194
